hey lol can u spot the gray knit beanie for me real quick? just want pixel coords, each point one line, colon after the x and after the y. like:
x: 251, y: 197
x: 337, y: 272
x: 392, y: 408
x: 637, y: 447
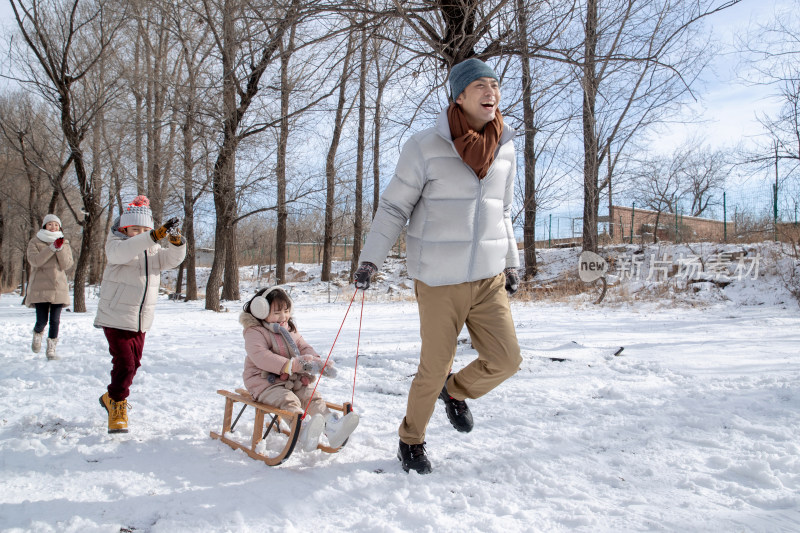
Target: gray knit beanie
x: 466, y: 72
x: 137, y: 213
x: 51, y: 218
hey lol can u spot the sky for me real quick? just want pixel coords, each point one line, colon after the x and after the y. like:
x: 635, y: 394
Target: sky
x: 727, y: 106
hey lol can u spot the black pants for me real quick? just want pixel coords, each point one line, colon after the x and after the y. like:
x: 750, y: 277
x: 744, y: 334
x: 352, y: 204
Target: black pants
x: 45, y: 310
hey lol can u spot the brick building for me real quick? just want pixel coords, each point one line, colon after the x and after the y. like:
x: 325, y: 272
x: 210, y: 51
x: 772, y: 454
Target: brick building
x: 666, y: 226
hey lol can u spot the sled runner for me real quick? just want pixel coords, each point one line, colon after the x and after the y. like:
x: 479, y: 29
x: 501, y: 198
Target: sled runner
x: 282, y: 424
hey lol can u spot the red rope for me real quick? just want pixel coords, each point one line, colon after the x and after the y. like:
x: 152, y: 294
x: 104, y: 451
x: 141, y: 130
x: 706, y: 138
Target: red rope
x: 358, y: 343
x: 331, y: 351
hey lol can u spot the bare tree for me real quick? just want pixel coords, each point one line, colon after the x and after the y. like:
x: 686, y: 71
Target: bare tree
x: 543, y: 119
x: 387, y: 64
x: 244, y: 58
x: 67, y: 42
x: 190, y: 102
x: 772, y: 53
x: 361, y: 143
x: 691, y: 178
x: 638, y: 62
x: 24, y: 126
x: 451, y: 30
x: 280, y: 167
x: 330, y: 164
x: 705, y: 172
x: 657, y: 185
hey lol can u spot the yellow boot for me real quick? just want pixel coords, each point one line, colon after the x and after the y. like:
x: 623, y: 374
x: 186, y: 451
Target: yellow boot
x: 117, y: 414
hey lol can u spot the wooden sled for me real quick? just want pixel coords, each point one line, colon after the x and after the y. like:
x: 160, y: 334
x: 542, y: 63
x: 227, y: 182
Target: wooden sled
x: 290, y: 427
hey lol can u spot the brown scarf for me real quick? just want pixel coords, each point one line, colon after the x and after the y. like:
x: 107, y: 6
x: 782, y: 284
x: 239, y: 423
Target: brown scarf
x: 476, y: 148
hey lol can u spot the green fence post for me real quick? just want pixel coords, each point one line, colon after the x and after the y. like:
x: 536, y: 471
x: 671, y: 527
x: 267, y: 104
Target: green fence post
x: 724, y: 217
x: 633, y: 212
x: 550, y: 232
x: 345, y: 249
x: 775, y: 212
x: 676, y: 223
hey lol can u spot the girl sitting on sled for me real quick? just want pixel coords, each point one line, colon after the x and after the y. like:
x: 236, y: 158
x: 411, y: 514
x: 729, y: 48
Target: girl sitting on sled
x: 280, y: 366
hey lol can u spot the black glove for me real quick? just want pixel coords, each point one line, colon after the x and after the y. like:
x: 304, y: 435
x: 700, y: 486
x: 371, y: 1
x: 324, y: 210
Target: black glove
x: 174, y: 235
x: 160, y: 233
x: 363, y: 275
x: 512, y: 280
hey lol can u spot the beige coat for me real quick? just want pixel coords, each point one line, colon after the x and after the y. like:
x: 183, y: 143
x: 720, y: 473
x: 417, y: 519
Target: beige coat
x: 131, y: 280
x: 48, y: 281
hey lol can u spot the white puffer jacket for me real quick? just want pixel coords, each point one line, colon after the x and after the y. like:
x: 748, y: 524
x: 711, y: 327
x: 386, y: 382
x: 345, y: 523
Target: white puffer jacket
x: 459, y: 226
x: 131, y: 279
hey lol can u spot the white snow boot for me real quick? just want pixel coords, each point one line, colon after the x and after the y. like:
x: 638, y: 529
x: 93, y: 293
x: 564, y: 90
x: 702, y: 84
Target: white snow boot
x: 36, y: 345
x: 339, y: 429
x: 310, y: 432
x: 51, y: 349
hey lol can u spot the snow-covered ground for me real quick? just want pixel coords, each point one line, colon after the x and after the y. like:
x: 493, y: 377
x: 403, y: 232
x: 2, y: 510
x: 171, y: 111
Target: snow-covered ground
x: 694, y: 426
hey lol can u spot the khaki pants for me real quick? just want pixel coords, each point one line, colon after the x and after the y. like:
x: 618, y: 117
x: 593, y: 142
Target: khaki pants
x: 443, y: 311
x: 283, y: 398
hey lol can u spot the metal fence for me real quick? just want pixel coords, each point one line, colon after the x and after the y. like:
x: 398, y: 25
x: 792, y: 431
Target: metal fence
x: 745, y: 214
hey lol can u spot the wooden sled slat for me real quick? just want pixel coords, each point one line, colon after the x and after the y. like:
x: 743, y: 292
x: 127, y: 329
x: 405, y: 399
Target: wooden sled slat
x: 292, y: 420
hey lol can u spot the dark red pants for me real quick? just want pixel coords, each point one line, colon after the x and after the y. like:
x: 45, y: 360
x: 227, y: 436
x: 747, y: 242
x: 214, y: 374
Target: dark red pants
x: 126, y: 356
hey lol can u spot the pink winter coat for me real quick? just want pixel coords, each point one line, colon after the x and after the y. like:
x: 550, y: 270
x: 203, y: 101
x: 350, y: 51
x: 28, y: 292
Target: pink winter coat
x: 267, y: 353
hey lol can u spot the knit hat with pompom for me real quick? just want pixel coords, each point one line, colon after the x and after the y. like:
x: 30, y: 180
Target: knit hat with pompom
x: 137, y: 213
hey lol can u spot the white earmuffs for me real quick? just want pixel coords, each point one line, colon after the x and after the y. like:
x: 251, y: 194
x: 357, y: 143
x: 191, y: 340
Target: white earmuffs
x: 259, y: 307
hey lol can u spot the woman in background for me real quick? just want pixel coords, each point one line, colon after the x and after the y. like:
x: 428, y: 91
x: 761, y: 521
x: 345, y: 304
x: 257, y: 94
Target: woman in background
x: 50, y: 256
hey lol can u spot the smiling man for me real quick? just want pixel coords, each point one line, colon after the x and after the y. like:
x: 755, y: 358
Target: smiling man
x: 454, y: 185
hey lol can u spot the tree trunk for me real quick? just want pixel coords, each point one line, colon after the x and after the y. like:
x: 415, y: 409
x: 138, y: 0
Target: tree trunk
x: 460, y: 37
x: 358, y: 220
x: 52, y: 51
x: 90, y: 221
x: 224, y: 174
x: 529, y: 152
x: 280, y: 167
x: 188, y: 198
x: 591, y: 197
x: 97, y: 261
x: 330, y: 169
x: 230, y: 286
x: 4, y: 281
x: 155, y: 64
x: 376, y: 151
x: 225, y: 166
x: 88, y: 194
x: 136, y: 87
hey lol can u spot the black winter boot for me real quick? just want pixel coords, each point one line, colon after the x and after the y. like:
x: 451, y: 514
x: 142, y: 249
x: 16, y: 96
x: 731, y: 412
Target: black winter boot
x: 413, y: 458
x: 457, y: 411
